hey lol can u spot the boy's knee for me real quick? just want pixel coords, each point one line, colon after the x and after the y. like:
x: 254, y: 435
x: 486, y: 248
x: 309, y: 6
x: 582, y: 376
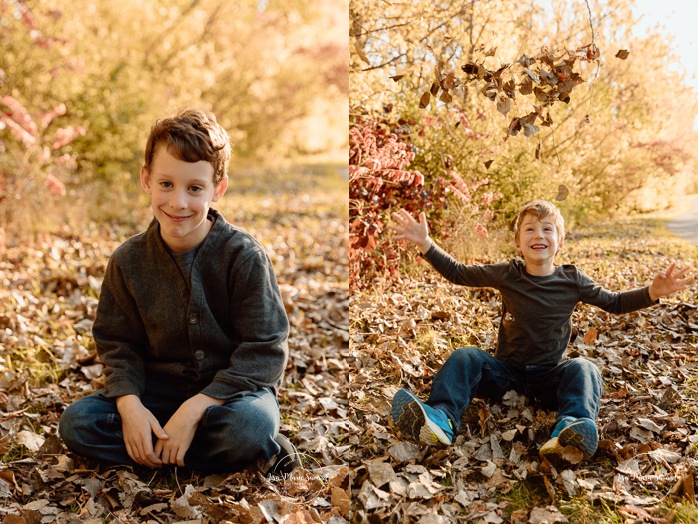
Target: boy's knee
x: 585, y: 366
x: 69, y: 426
x: 582, y: 367
x: 466, y: 354
x: 239, y: 437
x: 250, y: 426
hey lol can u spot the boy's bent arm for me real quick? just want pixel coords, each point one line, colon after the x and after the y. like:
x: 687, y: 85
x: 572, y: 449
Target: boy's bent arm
x: 258, y: 319
x: 119, y: 336
x: 417, y: 233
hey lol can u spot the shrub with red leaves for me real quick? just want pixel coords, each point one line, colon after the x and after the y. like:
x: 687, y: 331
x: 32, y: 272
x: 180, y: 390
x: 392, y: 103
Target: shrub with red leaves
x: 382, y: 179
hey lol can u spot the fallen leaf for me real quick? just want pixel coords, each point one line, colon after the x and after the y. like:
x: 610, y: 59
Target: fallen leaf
x: 404, y: 452
x: 549, y: 515
x: 340, y: 499
x: 489, y: 469
x: 30, y: 440
x: 380, y: 473
x: 590, y: 335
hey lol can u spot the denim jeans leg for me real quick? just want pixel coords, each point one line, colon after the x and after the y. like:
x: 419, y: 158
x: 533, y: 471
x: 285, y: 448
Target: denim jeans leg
x: 579, y: 393
x: 231, y: 436
x: 91, y: 426
x: 573, y: 388
x: 470, y: 372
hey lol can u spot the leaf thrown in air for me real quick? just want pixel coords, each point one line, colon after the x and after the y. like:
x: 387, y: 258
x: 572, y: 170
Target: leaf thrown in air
x: 530, y: 130
x: 424, y: 101
x: 471, y: 68
x: 503, y: 104
x: 622, y: 54
x: 449, y: 82
x: 488, y: 163
x: 562, y: 193
x: 396, y: 78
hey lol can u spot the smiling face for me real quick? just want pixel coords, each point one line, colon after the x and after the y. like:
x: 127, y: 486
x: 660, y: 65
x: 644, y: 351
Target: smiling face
x: 181, y: 194
x: 538, y: 241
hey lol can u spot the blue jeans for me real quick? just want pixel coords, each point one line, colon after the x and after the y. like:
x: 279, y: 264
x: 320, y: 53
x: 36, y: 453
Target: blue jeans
x: 573, y: 387
x: 228, y: 438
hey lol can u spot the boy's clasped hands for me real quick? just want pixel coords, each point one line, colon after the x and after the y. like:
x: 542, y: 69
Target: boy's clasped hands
x: 173, y: 441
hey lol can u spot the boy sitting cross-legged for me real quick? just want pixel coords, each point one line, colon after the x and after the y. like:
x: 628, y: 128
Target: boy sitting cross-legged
x: 190, y: 325
x: 538, y: 299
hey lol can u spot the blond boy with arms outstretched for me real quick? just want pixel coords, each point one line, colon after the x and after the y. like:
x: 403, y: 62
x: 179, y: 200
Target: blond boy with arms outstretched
x: 538, y: 298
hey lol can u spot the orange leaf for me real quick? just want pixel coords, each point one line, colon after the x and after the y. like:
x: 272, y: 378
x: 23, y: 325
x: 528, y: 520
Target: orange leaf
x: 590, y: 336
x: 424, y: 101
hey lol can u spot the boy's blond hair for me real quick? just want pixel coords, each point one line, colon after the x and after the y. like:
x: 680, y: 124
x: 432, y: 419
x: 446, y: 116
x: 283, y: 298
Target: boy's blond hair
x: 540, y: 209
x: 192, y: 135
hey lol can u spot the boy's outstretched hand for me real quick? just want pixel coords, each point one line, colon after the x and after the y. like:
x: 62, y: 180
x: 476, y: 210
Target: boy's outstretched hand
x: 407, y: 228
x: 668, y: 282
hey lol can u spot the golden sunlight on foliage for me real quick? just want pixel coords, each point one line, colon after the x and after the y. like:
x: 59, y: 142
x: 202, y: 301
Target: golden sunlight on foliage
x: 526, y: 98
x: 274, y: 73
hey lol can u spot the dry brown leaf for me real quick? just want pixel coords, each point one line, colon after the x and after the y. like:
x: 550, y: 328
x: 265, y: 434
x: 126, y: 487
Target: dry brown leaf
x: 562, y: 193
x: 340, y: 499
x: 590, y: 336
x: 424, y: 100
x: 549, y: 515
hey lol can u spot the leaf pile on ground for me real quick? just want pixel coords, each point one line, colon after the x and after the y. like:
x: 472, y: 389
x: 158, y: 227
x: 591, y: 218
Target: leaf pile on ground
x: 645, y: 467
x: 49, y: 293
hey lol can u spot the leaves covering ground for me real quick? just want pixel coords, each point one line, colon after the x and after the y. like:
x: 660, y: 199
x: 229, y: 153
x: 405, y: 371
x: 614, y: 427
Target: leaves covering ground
x: 48, y: 297
x: 645, y: 466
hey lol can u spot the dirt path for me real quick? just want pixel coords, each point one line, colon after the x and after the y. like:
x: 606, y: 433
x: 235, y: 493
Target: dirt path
x: 685, y: 224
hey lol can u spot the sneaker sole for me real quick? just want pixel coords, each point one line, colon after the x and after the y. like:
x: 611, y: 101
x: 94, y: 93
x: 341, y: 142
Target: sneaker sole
x: 410, y: 417
x: 579, y: 434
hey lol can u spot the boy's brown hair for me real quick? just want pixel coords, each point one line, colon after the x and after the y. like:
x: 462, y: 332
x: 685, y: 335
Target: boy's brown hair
x: 540, y: 209
x: 191, y: 135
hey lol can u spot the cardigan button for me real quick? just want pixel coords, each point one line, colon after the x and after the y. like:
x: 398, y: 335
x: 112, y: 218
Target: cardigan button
x: 193, y: 318
x: 199, y: 354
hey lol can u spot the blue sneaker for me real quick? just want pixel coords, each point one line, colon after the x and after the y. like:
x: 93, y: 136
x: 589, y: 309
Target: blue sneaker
x: 578, y: 432
x: 421, y: 422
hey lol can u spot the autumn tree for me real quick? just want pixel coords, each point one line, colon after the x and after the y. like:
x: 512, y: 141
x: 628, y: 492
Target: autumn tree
x: 528, y: 99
